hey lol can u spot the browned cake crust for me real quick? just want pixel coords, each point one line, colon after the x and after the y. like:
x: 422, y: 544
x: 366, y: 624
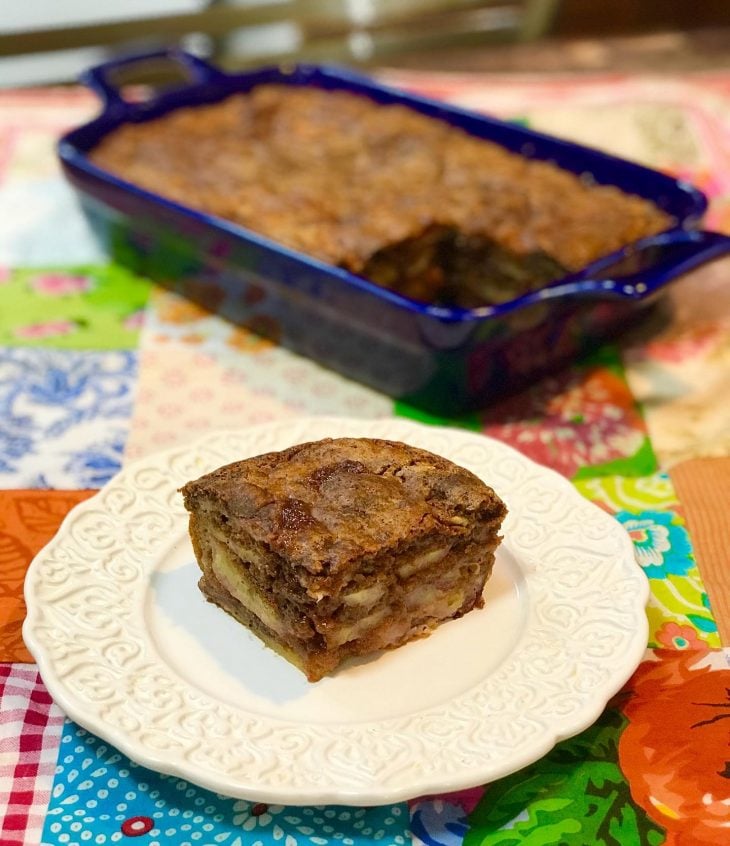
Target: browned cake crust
x: 342, y: 547
x: 404, y: 199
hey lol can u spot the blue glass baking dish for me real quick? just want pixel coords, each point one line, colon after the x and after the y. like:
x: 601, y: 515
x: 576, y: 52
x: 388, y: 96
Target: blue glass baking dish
x: 444, y: 360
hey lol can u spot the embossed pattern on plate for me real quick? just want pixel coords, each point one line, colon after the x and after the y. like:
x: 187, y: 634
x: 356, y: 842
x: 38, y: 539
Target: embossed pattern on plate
x: 579, y: 630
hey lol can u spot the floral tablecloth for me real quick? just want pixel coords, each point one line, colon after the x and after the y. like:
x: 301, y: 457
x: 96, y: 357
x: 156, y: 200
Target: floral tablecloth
x: 95, y: 362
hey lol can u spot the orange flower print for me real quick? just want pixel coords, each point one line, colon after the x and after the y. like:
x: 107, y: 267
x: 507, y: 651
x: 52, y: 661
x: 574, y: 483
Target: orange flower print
x: 675, y: 752
x: 674, y: 636
x: 173, y: 309
x: 193, y: 338
x: 28, y: 520
x: 248, y: 341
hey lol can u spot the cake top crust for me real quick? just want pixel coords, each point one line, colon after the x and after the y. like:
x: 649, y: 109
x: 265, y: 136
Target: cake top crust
x: 339, y: 177
x: 324, y: 504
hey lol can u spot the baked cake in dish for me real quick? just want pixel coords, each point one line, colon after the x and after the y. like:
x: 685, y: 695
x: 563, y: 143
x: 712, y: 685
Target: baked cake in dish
x: 343, y: 547
x: 406, y: 200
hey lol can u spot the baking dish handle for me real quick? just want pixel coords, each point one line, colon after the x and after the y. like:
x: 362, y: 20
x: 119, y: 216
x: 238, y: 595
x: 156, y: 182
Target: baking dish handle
x: 100, y: 78
x: 654, y: 262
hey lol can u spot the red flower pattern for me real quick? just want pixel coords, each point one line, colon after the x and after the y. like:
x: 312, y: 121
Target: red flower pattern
x: 576, y: 419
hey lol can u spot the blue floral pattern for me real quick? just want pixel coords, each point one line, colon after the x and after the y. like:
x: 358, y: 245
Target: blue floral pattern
x: 64, y: 416
x: 661, y: 543
x: 435, y: 822
x: 99, y: 796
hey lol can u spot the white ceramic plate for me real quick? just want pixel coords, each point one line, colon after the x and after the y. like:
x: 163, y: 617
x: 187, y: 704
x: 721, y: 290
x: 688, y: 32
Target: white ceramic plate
x: 130, y: 650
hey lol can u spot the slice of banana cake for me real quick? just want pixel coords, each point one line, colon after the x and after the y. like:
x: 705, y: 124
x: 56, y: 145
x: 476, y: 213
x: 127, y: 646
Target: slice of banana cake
x: 343, y: 547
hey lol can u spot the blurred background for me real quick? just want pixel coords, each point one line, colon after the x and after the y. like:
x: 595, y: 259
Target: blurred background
x: 46, y: 41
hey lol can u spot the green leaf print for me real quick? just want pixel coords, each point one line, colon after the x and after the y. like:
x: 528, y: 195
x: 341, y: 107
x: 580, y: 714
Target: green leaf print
x: 622, y: 493
x: 469, y: 421
x: 704, y: 624
x: 607, y: 355
x: 574, y: 796
x: 642, y: 463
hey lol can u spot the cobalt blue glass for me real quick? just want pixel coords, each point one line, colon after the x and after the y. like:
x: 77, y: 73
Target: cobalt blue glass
x: 444, y: 360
